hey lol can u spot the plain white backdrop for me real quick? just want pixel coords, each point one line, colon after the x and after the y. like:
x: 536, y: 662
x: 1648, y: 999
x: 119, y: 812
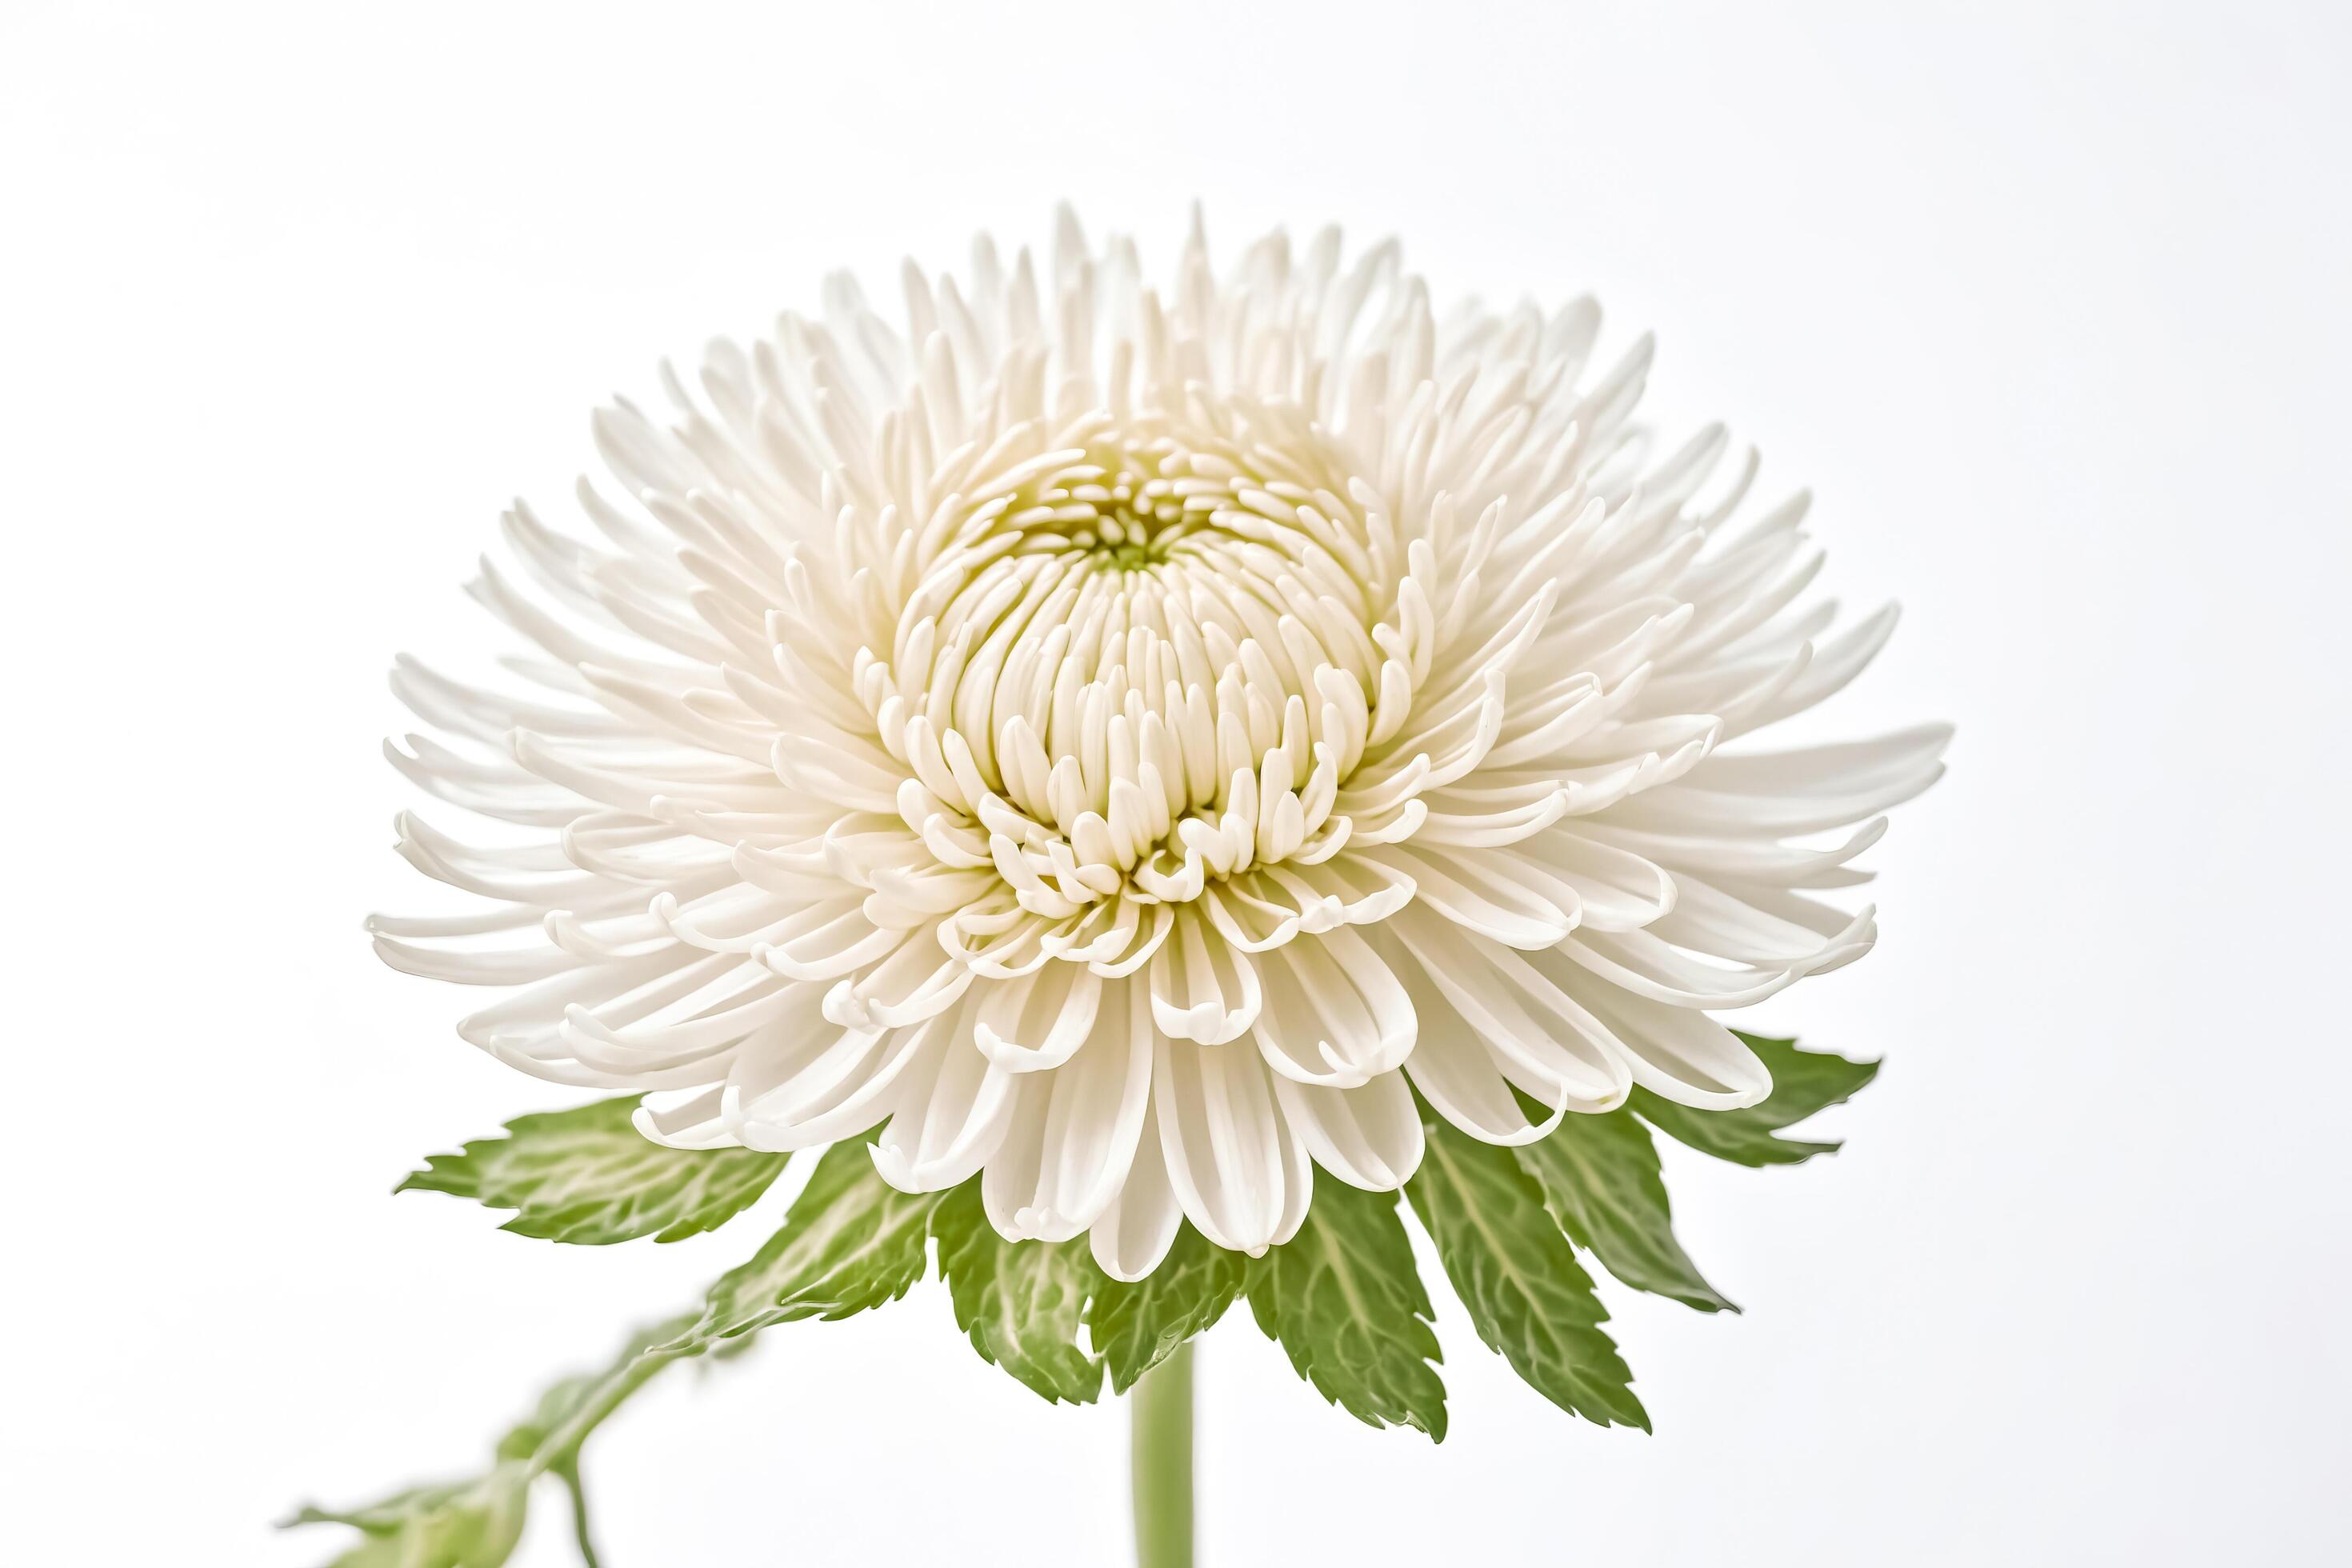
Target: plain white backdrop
x: 2047, y: 302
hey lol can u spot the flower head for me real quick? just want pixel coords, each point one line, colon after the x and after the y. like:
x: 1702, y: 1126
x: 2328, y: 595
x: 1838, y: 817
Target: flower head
x: 1127, y: 739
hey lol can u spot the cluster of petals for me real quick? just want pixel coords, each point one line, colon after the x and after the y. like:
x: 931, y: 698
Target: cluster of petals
x: 1139, y: 743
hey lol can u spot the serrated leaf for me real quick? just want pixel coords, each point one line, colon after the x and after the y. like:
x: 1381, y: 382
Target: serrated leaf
x: 1137, y: 1326
x: 1802, y: 1083
x: 1020, y: 1302
x: 1600, y: 1178
x: 589, y: 1178
x: 1517, y: 1276
x: 1345, y: 1301
x: 851, y: 1241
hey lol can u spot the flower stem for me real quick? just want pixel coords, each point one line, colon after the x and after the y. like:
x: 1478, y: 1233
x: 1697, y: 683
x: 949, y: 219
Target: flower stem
x: 569, y: 1470
x: 1161, y: 1462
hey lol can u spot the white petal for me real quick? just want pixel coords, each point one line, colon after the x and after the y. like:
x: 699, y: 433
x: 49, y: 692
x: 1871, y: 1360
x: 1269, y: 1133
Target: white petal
x: 1538, y: 1037
x: 1130, y: 1236
x: 1066, y: 1157
x: 1647, y: 965
x: 1713, y: 920
x: 1461, y: 1081
x: 804, y: 1103
x: 1230, y: 1157
x: 1482, y: 890
x: 686, y: 1119
x: 1369, y: 1136
x: 1201, y: 989
x: 1037, y: 1021
x: 1334, y: 1015
x: 1681, y: 1054
x: 939, y: 1139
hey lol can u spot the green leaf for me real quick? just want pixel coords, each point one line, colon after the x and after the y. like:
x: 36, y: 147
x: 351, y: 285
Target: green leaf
x: 588, y: 1176
x: 473, y: 1524
x: 1600, y: 1181
x: 476, y: 1522
x: 1022, y: 1303
x: 1518, y: 1277
x: 1346, y: 1302
x: 851, y: 1241
x: 1137, y: 1326
x: 1802, y: 1083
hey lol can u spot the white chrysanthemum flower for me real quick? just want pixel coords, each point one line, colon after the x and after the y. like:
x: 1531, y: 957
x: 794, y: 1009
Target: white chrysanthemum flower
x: 1120, y: 739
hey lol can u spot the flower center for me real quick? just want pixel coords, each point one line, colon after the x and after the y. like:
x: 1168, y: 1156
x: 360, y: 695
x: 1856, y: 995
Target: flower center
x: 1127, y: 507
x: 1127, y: 520
x: 1147, y: 661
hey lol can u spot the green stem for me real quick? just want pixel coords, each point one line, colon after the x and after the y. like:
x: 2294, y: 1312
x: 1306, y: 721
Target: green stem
x: 1161, y: 1462
x: 569, y: 1470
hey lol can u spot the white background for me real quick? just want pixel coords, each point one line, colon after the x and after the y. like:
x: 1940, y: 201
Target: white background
x: 2048, y: 302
